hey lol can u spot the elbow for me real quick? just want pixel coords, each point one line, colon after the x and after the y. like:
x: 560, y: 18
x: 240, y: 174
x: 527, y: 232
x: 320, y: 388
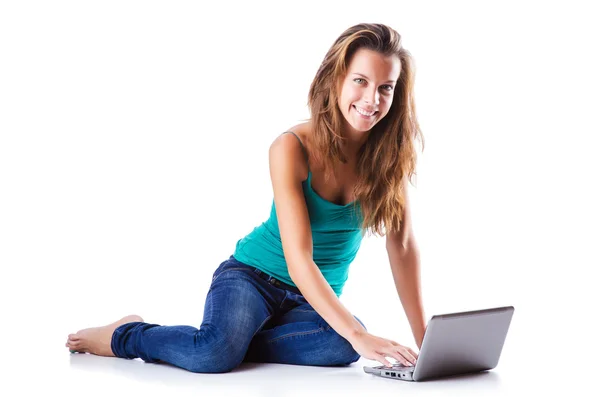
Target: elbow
x: 403, y: 252
x: 403, y: 244
x: 297, y: 264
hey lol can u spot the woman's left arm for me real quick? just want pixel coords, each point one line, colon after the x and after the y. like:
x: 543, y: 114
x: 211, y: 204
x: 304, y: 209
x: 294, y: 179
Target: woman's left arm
x: 405, y: 263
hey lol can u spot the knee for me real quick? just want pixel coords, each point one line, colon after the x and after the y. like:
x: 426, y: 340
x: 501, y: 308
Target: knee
x: 210, y: 362
x: 210, y: 368
x: 343, y: 353
x: 347, y: 354
x: 340, y: 351
x: 220, y: 355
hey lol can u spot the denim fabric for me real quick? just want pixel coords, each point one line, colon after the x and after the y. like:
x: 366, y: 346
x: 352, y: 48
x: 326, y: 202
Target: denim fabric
x: 248, y: 316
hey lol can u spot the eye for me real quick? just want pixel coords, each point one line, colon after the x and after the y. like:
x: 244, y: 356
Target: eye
x: 359, y: 79
x: 388, y: 88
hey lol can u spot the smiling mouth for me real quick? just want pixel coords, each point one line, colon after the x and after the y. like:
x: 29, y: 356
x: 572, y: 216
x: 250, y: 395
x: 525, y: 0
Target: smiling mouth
x: 363, y: 114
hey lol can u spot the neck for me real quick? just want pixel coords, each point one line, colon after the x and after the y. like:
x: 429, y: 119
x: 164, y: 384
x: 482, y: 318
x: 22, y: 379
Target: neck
x: 350, y: 147
x: 353, y: 141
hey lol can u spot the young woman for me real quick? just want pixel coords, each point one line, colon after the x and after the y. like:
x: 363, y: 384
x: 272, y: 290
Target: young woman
x: 343, y: 172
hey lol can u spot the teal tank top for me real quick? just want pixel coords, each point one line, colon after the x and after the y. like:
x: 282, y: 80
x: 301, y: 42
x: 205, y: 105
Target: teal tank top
x: 336, y: 233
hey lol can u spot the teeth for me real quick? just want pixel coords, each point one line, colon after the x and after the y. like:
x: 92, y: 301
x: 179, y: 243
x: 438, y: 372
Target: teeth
x: 363, y: 112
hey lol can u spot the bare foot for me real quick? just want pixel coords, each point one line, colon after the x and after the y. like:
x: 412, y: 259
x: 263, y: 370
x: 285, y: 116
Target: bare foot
x: 97, y: 340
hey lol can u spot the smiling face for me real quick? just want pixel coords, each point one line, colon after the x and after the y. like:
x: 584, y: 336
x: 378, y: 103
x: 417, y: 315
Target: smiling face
x: 367, y: 90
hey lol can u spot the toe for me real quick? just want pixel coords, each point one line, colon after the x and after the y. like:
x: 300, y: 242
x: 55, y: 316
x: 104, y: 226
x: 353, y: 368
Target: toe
x: 75, y: 347
x: 71, y: 348
x: 73, y: 337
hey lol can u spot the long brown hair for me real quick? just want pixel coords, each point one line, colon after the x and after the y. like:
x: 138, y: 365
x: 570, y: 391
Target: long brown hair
x: 388, y: 156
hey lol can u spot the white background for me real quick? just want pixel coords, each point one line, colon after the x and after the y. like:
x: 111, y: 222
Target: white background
x: 134, y: 142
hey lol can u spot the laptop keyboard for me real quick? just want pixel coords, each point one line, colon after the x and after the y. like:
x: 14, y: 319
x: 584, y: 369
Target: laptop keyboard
x: 395, y: 367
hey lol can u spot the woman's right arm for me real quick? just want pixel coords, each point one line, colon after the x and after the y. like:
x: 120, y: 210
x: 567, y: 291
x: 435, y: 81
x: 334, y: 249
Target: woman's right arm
x: 285, y: 160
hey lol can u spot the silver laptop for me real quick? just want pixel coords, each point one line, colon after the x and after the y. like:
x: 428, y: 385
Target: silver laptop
x: 456, y: 344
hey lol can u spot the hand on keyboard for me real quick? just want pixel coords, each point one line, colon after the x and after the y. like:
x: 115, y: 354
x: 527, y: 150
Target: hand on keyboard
x: 375, y: 348
x: 395, y: 366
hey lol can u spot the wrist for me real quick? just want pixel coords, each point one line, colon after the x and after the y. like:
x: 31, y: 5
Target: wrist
x: 355, y: 334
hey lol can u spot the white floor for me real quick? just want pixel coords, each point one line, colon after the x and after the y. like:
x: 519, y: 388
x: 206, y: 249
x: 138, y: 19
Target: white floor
x: 54, y: 370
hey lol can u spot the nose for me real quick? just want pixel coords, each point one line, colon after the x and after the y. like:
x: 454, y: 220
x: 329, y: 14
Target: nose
x: 371, y: 97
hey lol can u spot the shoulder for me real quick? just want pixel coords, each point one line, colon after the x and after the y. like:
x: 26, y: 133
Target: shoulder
x: 286, y: 151
x: 302, y: 131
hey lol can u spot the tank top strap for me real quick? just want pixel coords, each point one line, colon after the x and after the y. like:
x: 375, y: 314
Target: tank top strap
x: 303, y: 148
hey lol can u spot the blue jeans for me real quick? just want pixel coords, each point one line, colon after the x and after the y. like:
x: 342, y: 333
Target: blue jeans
x: 248, y: 316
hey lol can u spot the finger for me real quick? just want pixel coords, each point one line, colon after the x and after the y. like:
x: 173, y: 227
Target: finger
x: 395, y: 353
x: 394, y: 350
x: 381, y: 359
x: 411, y: 351
x: 409, y: 354
x: 406, y: 357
